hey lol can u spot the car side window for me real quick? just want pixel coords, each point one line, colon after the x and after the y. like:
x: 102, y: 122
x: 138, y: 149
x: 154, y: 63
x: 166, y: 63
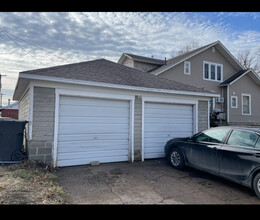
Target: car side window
x: 257, y: 143
x: 213, y: 135
x: 242, y: 138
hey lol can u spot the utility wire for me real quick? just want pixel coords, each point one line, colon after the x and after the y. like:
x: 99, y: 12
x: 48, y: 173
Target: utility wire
x: 8, y: 35
x: 23, y: 49
x: 34, y: 45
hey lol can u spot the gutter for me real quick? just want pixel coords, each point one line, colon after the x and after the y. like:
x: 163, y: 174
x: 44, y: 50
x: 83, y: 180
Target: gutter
x: 115, y: 86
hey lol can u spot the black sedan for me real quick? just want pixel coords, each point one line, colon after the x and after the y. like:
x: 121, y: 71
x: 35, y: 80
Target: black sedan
x: 229, y: 152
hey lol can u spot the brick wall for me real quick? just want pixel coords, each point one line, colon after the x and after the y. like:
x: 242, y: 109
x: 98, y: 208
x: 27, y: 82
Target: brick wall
x: 11, y: 113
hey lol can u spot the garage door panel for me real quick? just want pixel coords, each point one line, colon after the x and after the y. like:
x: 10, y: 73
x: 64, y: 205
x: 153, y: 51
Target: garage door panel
x: 167, y: 120
x: 91, y: 120
x: 92, y: 102
x: 97, y: 153
x: 93, y: 144
x: 94, y: 112
x: 82, y: 161
x: 65, y: 149
x: 87, y: 137
x: 92, y: 129
x: 168, y: 112
x: 163, y: 122
x: 170, y: 128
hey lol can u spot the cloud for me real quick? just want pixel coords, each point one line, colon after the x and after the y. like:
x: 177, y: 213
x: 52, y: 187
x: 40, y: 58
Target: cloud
x: 85, y: 36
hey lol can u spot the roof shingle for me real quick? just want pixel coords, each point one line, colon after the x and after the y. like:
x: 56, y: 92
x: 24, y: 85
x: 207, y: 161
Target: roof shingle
x: 105, y: 71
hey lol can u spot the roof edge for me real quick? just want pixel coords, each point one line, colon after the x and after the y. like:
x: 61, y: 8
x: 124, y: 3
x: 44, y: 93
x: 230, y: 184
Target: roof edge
x: 116, y: 86
x: 203, y: 49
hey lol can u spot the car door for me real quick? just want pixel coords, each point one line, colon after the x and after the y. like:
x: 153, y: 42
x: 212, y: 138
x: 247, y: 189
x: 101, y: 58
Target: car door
x: 202, y: 151
x: 239, y: 156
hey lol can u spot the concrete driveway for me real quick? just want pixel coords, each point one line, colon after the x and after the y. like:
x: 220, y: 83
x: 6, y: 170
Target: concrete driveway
x: 149, y: 182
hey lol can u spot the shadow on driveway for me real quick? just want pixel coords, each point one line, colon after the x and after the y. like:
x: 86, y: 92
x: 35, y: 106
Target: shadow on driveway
x: 149, y: 182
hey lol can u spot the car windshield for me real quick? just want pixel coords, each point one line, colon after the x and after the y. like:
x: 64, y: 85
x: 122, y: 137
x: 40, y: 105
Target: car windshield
x: 212, y: 135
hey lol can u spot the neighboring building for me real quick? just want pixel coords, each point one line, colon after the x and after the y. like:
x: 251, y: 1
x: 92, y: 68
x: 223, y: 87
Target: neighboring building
x: 213, y: 68
x: 103, y: 111
x: 11, y: 110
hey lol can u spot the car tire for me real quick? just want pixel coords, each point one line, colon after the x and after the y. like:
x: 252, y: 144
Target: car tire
x: 256, y: 185
x: 176, y: 159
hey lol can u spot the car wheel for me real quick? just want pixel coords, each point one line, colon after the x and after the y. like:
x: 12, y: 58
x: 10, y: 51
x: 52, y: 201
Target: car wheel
x: 176, y: 159
x: 256, y: 185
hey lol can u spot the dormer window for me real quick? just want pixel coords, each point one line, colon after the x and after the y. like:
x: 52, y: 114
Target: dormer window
x: 187, y: 67
x: 212, y: 71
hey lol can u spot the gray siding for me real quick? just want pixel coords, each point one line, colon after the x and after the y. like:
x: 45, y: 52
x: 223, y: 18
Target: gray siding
x: 40, y: 148
x: 138, y: 128
x: 247, y: 86
x: 24, y: 106
x: 203, y: 115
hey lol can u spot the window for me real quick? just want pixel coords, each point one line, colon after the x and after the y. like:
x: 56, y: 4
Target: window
x: 257, y: 143
x: 242, y: 138
x: 246, y: 104
x: 233, y: 101
x: 219, y: 74
x: 206, y: 70
x: 212, y: 71
x: 187, y: 67
x: 213, y: 135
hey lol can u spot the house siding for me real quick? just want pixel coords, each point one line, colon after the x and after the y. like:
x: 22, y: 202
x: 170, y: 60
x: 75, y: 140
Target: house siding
x: 23, y: 113
x: 203, y: 115
x: 196, y: 75
x: 138, y: 128
x: 144, y: 66
x: 245, y: 85
x: 41, y: 146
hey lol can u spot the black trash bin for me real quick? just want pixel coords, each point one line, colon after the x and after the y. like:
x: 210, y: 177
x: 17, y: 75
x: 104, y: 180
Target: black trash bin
x: 11, y: 140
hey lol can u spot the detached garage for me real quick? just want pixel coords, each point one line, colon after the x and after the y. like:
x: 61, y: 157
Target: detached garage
x: 103, y: 111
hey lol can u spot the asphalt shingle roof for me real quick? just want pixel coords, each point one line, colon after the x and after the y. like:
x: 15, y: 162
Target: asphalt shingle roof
x: 233, y: 77
x: 146, y: 59
x: 105, y: 71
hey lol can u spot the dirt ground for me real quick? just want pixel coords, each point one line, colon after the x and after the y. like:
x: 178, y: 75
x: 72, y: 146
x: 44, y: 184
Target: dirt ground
x: 30, y: 183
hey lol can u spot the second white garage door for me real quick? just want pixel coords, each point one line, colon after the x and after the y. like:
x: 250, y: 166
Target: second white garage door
x: 163, y: 122
x: 92, y: 129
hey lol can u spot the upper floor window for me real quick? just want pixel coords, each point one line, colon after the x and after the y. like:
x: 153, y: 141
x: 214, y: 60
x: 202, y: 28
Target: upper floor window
x: 187, y: 67
x: 212, y: 71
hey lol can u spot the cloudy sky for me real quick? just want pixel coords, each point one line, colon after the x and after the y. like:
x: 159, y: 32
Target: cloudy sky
x: 37, y: 40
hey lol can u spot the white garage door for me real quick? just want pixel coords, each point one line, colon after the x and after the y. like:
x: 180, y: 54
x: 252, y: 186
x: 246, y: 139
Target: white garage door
x: 92, y: 129
x: 163, y: 122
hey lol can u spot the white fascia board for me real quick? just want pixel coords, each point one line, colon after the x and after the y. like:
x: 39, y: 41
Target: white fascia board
x: 227, y: 51
x: 116, y: 86
x: 169, y: 67
x: 211, y: 45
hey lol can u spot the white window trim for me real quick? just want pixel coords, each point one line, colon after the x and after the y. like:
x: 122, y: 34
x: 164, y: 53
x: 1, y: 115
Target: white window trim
x: 236, y: 106
x: 249, y: 95
x: 216, y: 64
x: 189, y: 63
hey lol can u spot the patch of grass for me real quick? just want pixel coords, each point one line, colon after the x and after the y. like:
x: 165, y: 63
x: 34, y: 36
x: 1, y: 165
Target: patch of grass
x: 24, y: 174
x: 39, y: 178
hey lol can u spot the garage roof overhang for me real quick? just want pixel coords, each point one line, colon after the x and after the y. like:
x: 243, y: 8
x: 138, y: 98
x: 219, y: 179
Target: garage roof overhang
x: 24, y: 81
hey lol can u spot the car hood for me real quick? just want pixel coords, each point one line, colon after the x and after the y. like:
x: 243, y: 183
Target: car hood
x: 181, y: 139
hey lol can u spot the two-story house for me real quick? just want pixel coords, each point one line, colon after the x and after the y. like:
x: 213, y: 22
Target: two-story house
x: 214, y: 68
